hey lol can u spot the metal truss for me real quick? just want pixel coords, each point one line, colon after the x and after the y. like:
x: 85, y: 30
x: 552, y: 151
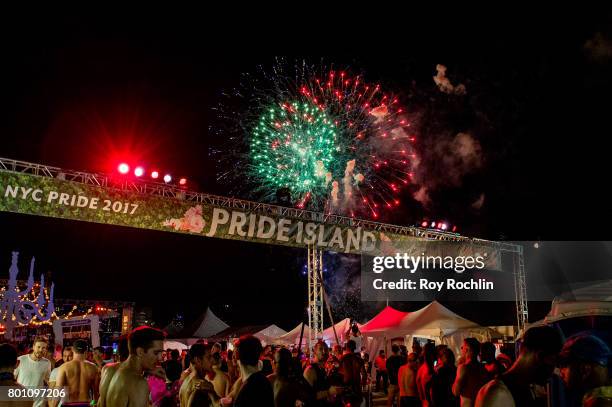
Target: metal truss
x: 171, y: 191
x: 315, y: 295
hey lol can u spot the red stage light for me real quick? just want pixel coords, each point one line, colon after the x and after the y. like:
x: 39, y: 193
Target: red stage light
x: 444, y: 226
x: 424, y: 224
x: 138, y: 171
x: 155, y: 174
x: 123, y: 168
x: 183, y: 181
x: 455, y: 228
x: 167, y: 178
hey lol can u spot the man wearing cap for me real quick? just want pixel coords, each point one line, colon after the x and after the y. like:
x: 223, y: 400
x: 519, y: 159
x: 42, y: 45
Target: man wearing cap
x: 583, y: 366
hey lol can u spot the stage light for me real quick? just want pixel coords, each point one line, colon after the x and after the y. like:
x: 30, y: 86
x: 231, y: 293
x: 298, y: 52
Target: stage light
x: 155, y: 174
x: 424, y: 224
x: 455, y: 228
x: 167, y: 178
x: 138, y: 171
x: 444, y: 226
x: 439, y: 225
x: 123, y: 168
x: 433, y: 224
x: 183, y: 181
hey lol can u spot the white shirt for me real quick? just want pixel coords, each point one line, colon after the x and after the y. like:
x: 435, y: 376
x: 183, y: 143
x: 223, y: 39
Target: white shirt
x: 53, y: 375
x: 32, y: 373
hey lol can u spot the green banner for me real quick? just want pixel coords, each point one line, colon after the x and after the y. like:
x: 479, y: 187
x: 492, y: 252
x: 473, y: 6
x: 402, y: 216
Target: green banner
x: 45, y: 196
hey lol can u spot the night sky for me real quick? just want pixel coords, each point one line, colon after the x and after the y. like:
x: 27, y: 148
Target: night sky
x: 77, y: 92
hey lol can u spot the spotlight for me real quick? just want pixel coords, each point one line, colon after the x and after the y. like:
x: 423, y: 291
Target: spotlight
x: 433, y: 224
x: 167, y: 178
x: 123, y: 168
x: 444, y: 226
x: 183, y: 181
x: 138, y: 171
x: 424, y: 224
x: 154, y: 174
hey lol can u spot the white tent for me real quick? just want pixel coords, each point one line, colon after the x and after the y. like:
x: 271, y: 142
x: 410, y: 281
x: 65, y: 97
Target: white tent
x: 434, y: 321
x: 210, y: 325
x: 175, y: 345
x: 268, y: 334
x: 341, y: 327
x: 293, y: 337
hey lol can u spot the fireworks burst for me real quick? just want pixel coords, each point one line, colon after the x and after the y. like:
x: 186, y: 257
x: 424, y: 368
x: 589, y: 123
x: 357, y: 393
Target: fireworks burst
x: 337, y: 143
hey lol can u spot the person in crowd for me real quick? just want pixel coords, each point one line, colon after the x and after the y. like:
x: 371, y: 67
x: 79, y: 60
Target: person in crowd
x: 109, y: 370
x: 128, y: 386
x: 288, y: 384
x: 256, y: 390
x: 443, y: 378
x: 232, y: 367
x: 393, y: 364
x: 534, y: 365
x: 471, y: 374
x: 487, y: 357
x: 33, y: 369
x: 80, y: 376
x: 355, y: 335
x: 417, y: 350
x: 217, y: 377
x: 98, y: 356
x: 316, y: 377
x: 67, y: 355
x: 584, y: 368
x: 352, y: 370
x: 425, y: 374
x: 173, y: 366
x: 195, y: 390
x: 381, y: 371
x: 406, y: 380
x: 267, y: 358
x: 8, y: 362
x: 108, y: 356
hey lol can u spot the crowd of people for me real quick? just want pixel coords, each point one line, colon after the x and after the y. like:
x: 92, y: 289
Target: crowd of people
x: 250, y: 374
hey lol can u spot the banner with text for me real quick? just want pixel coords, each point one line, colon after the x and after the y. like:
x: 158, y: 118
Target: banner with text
x: 43, y: 196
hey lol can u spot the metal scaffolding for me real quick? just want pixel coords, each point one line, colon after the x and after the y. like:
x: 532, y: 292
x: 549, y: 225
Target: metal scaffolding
x: 315, y: 283
x: 315, y: 295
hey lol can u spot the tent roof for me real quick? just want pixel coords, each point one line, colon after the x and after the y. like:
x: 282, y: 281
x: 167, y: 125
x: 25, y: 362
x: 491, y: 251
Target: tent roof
x: 387, y: 318
x: 207, y: 325
x: 260, y: 331
x: 293, y: 336
x: 432, y: 320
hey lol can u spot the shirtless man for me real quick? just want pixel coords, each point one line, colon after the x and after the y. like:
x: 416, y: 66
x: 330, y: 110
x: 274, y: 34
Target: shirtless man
x: 406, y: 380
x: 194, y: 386
x: 109, y: 370
x: 218, y: 378
x: 471, y: 374
x: 128, y: 386
x: 535, y: 365
x: 79, y: 375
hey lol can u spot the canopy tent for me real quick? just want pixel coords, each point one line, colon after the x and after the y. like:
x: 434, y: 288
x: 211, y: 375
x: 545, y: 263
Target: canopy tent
x: 388, y: 318
x: 293, y: 337
x: 175, y: 345
x: 265, y: 333
x: 341, y: 328
x: 207, y: 325
x: 434, y: 321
